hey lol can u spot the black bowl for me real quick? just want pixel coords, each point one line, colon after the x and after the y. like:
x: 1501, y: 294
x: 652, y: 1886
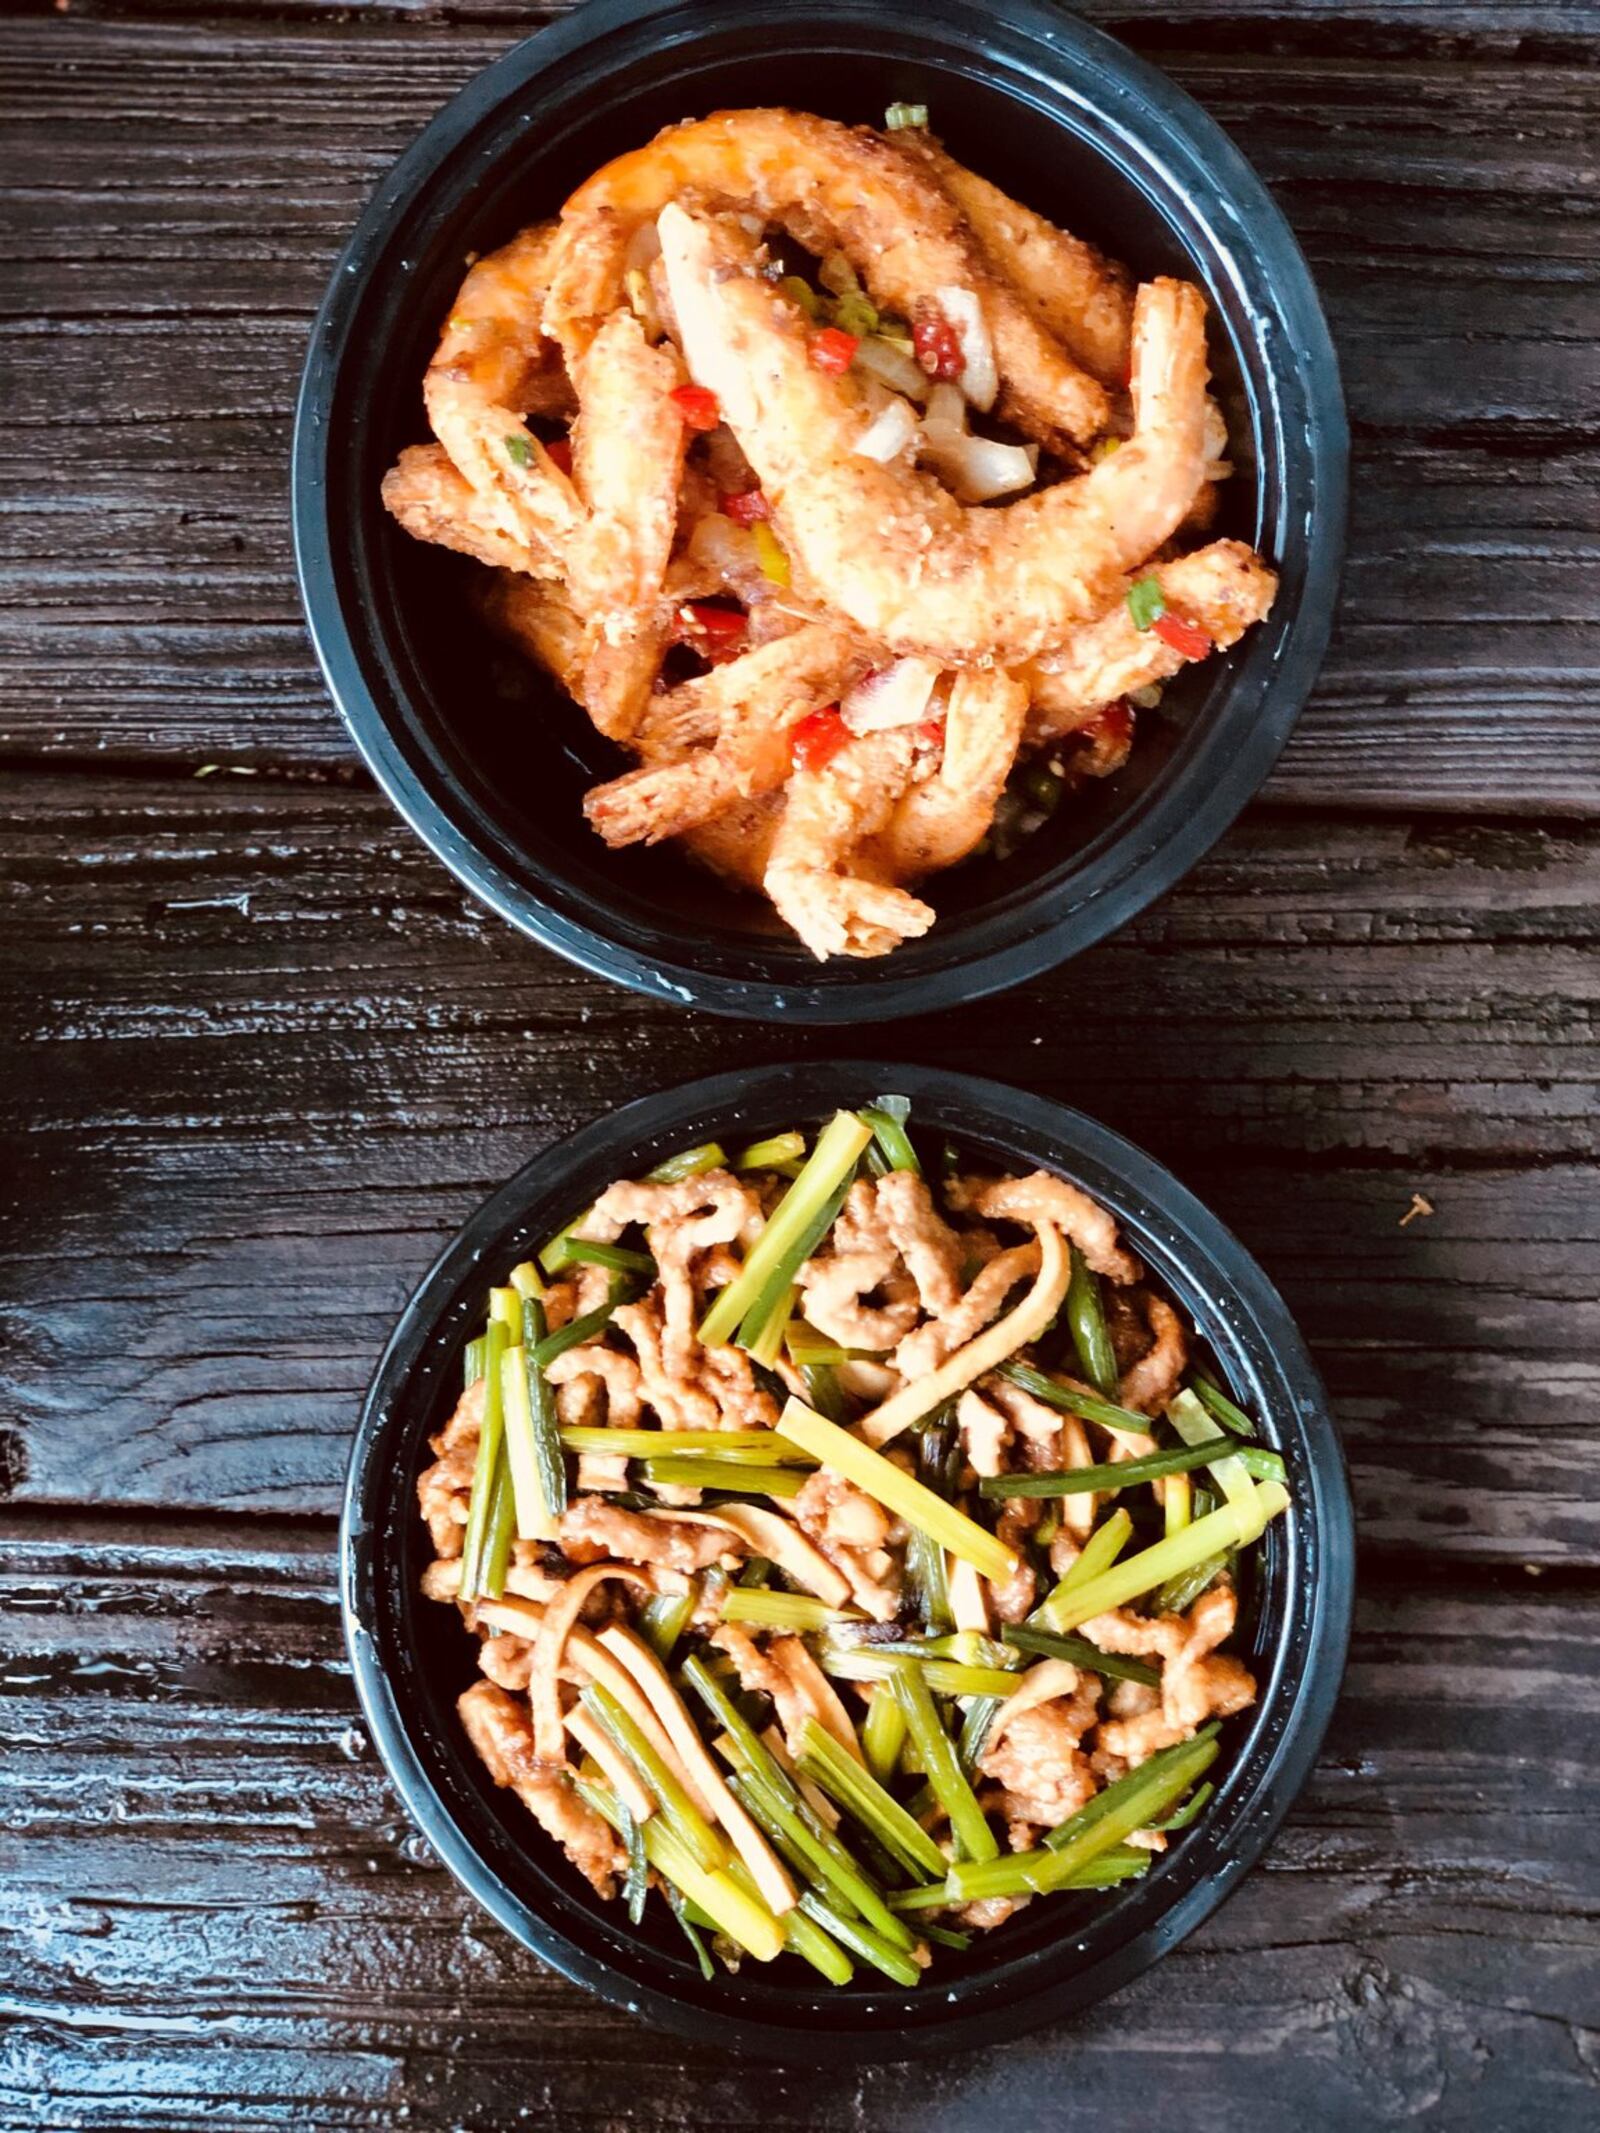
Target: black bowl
x: 1035, y: 99
x: 411, y: 1658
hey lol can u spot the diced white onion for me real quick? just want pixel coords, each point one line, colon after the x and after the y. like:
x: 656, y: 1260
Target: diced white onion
x: 880, y: 359
x: 977, y: 469
x: 946, y: 412
x: 897, y: 695
x: 887, y: 435
x: 643, y: 246
x: 980, y: 376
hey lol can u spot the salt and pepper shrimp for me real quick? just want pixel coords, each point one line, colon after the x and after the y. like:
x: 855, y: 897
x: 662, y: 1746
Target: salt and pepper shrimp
x: 831, y: 187
x: 890, y: 546
x: 767, y: 493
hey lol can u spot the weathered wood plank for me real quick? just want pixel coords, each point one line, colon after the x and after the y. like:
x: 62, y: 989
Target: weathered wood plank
x: 159, y: 321
x: 223, y: 1188
x: 212, y: 1907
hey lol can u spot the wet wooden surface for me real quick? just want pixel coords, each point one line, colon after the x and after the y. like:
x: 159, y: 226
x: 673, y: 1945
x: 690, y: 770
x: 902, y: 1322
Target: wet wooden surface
x: 261, y: 1056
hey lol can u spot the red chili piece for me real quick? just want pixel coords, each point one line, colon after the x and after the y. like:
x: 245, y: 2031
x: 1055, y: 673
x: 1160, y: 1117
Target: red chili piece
x: 1186, y: 638
x: 718, y: 632
x: 833, y: 351
x: 936, y: 344
x: 559, y: 450
x: 932, y: 729
x: 697, y: 405
x: 745, y: 510
x: 818, y: 738
x: 1113, y: 725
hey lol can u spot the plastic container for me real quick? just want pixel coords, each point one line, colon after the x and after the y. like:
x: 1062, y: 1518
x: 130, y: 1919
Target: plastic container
x: 1057, y: 112
x: 411, y: 1658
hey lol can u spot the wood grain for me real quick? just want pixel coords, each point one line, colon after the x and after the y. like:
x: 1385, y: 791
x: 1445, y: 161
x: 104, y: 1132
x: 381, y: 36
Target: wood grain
x: 245, y: 1181
x: 158, y: 287
x: 1415, y: 1947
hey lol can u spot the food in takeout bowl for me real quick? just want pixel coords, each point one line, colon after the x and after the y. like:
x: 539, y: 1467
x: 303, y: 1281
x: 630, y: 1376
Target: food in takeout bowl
x: 847, y: 1544
x: 866, y: 589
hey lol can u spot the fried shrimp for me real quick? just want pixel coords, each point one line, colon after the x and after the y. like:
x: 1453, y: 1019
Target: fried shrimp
x: 493, y: 367
x: 1078, y: 295
x: 834, y: 485
x: 891, y: 547
x: 1222, y: 589
x: 817, y: 876
x: 831, y: 187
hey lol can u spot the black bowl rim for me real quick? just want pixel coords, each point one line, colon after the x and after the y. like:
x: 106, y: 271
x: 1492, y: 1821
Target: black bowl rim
x: 1177, y: 1233
x: 1178, y: 826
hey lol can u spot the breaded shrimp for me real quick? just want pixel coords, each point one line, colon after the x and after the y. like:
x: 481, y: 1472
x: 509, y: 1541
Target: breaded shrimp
x: 892, y: 548
x: 1084, y: 299
x: 757, y: 699
x: 493, y: 367
x: 435, y: 503
x: 540, y: 620
x: 1225, y: 588
x: 738, y: 844
x: 815, y: 879
x: 627, y: 450
x: 940, y: 819
x: 832, y: 187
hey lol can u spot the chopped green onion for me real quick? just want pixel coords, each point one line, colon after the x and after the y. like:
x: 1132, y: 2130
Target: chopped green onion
x: 974, y: 1838
x: 1086, y: 1322
x: 842, y: 1778
x: 1113, y: 1474
x: 525, y: 1280
x: 1078, y: 1651
x: 678, y: 1904
x: 816, y: 1853
x: 762, y: 1334
x: 530, y: 1484
x: 1179, y: 1593
x: 664, y: 1618
x: 1147, y: 603
x: 981, y: 1713
x: 860, y: 1939
x: 500, y: 1533
x: 679, y: 1812
x: 768, y: 1154
x: 736, y: 1447
x: 1103, y: 1872
x: 770, y: 555
x: 472, y: 1363
x: 1121, y: 1421
x: 808, y: 1938
x: 944, y: 1937
x: 728, y: 1474
x: 491, y: 1432
x: 692, y: 1163
x: 1123, y: 1808
x: 883, y: 1734
x: 1098, y: 1553
x: 615, y: 1256
x: 946, y: 1677
x: 637, y: 1885
x: 801, y: 293
x: 855, y: 313
x: 790, y: 1235
x: 518, y: 450
x: 1193, y: 1423
x: 881, y: 1479
x: 899, y: 116
x: 780, y: 1610
x: 730, y: 1907
x: 752, y: 1751
x: 887, y: 1116
x: 575, y: 1334
x: 806, y: 1345
x: 1232, y: 1525
x: 1181, y: 1817
x: 824, y: 1392
x: 1218, y: 1404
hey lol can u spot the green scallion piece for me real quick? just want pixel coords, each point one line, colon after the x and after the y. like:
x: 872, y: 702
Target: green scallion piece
x: 499, y: 1534
x: 1179, y: 1593
x: 679, y: 1812
x: 1121, y: 1421
x: 1217, y: 1403
x: 775, y: 1150
x: 1147, y: 603
x: 491, y: 1434
x: 732, y: 1447
x: 860, y: 1795
x: 974, y: 1838
x: 1113, y: 1474
x: 679, y: 1906
x: 883, y: 1734
x: 1086, y: 1322
x: 784, y: 1244
x: 887, y: 1116
x: 946, y: 1937
x: 1079, y: 1652
x: 810, y: 1940
x: 472, y: 1363
x: 637, y: 1884
x: 1231, y: 1525
x: 1183, y: 1815
x: 981, y: 1712
x: 726, y: 1474
x: 818, y: 1855
x: 807, y: 1346
x: 579, y: 1251
x: 1099, y: 1551
x: 574, y: 1335
x: 796, y: 1611
x: 692, y: 1163
x: 859, y: 1938
x: 664, y: 1618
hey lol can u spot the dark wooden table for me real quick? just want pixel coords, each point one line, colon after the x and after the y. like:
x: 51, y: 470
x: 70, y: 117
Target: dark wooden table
x: 262, y: 1056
